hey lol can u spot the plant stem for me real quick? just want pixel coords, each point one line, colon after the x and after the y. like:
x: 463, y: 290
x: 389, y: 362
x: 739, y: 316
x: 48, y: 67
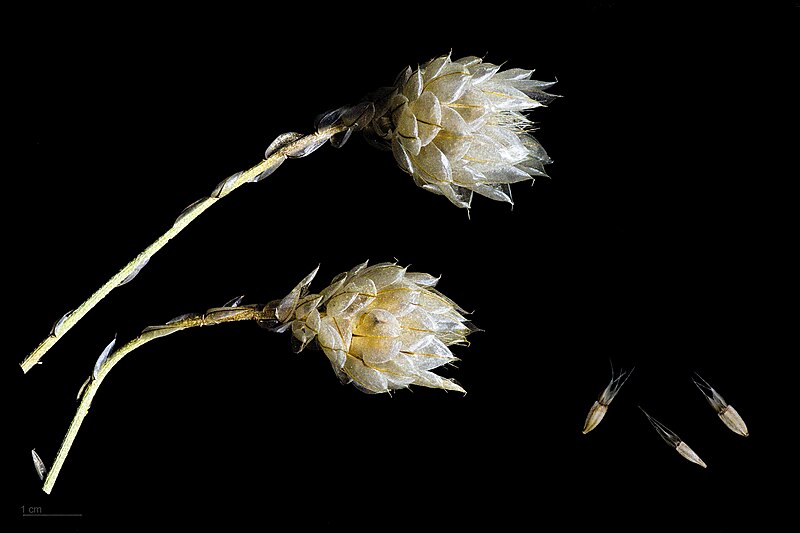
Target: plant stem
x: 295, y: 148
x: 213, y: 316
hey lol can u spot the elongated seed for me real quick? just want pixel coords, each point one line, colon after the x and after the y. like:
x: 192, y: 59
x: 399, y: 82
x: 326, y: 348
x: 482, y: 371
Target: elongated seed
x: 689, y: 454
x: 600, y: 407
x: 729, y: 416
x: 596, y: 414
x: 674, y: 441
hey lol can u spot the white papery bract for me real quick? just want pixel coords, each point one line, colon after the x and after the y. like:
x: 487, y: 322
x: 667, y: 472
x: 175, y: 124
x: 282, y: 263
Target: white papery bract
x: 382, y: 327
x: 458, y: 127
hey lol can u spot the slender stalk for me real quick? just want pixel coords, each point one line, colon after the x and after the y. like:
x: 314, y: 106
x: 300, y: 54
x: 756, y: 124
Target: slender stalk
x: 294, y: 146
x: 213, y: 316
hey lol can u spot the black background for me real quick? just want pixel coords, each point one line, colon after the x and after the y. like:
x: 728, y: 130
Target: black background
x: 656, y: 243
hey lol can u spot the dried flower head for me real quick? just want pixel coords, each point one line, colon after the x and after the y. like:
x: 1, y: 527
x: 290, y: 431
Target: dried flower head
x: 382, y: 327
x: 457, y: 127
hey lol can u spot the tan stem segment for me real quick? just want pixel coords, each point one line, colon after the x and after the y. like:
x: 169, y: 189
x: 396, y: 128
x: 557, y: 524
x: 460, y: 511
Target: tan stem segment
x: 214, y: 316
x: 274, y: 159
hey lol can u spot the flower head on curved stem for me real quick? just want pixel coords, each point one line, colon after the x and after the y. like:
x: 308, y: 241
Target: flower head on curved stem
x: 458, y: 128
x: 382, y: 327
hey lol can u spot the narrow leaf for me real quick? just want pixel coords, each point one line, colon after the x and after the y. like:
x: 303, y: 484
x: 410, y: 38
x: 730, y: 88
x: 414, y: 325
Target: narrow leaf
x: 41, y: 470
x: 280, y: 141
x: 54, y: 331
x: 103, y: 356
x: 225, y: 186
x: 138, y: 268
x: 234, y: 302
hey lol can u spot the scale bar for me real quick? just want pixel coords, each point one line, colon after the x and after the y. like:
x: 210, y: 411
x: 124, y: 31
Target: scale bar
x: 51, y: 514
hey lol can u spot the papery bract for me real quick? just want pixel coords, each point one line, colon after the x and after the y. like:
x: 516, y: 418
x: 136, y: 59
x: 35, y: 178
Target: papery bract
x: 382, y: 327
x: 458, y: 128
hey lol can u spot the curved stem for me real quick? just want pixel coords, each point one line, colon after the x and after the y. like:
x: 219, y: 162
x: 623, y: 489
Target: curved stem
x: 213, y: 316
x: 298, y: 146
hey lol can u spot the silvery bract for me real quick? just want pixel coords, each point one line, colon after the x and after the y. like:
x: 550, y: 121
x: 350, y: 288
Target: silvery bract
x: 457, y: 127
x: 382, y: 327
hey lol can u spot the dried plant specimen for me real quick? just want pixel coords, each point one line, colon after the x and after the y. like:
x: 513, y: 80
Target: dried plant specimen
x: 382, y: 328
x: 457, y: 126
